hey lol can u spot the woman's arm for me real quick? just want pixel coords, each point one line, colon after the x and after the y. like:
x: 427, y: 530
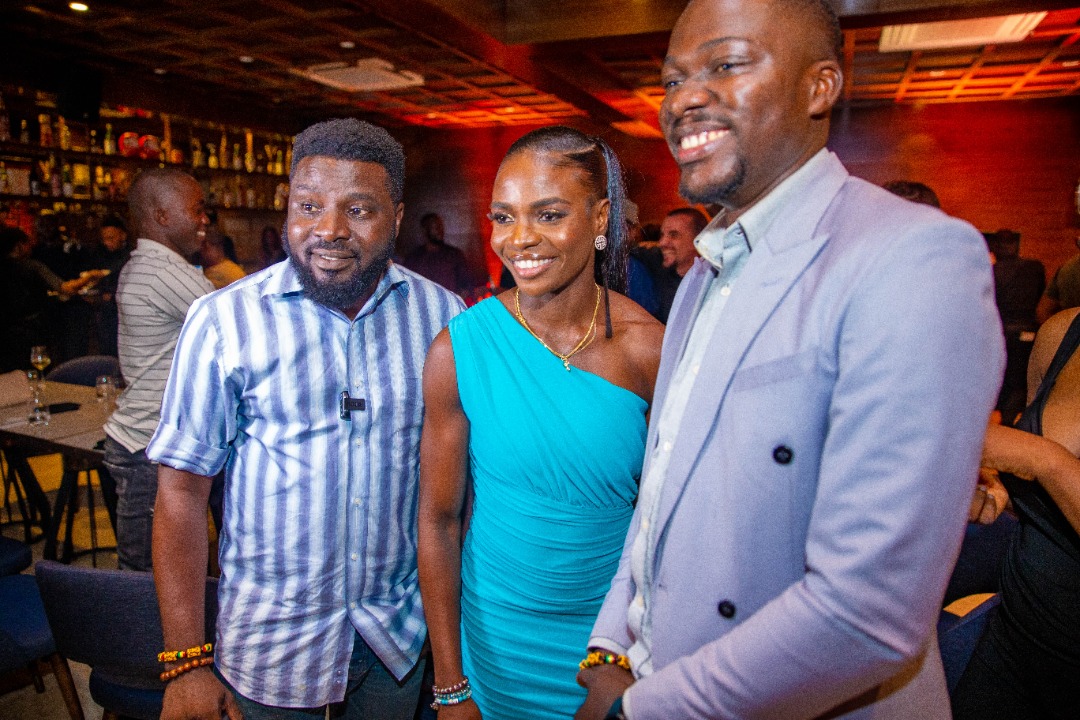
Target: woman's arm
x: 1032, y: 457
x: 444, y: 467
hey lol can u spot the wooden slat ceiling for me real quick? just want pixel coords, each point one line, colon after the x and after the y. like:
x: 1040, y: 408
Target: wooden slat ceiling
x: 486, y: 66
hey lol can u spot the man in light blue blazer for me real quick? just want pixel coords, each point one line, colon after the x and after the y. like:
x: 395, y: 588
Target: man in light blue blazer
x: 827, y: 374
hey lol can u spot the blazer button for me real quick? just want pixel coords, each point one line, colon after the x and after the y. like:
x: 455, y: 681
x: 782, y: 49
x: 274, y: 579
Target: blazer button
x: 782, y: 454
x: 726, y: 608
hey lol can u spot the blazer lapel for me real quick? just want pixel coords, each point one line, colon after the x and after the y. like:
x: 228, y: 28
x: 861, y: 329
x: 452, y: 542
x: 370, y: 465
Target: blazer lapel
x: 777, y: 261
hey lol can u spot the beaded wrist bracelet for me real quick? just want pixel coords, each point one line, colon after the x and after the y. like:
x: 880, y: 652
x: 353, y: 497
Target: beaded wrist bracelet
x: 453, y: 695
x: 190, y: 665
x: 599, y: 657
x: 174, y: 655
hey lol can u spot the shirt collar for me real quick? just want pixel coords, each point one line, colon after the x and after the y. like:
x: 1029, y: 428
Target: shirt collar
x: 755, y: 222
x: 153, y: 247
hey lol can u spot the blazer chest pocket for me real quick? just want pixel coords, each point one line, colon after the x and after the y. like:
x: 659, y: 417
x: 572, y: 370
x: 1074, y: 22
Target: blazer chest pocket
x: 776, y: 414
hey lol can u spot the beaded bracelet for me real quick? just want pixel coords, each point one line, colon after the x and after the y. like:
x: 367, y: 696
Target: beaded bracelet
x: 174, y: 655
x: 452, y: 695
x: 599, y: 657
x: 190, y: 665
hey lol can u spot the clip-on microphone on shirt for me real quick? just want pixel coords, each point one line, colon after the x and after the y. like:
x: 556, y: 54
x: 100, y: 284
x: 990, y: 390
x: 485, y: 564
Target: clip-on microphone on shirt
x: 348, y: 404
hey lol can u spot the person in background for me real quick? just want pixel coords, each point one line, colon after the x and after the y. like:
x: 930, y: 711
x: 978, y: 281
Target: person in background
x: 438, y: 261
x: 827, y: 375
x: 155, y: 290
x: 1026, y: 663
x: 28, y: 284
x: 1018, y: 286
x: 219, y: 259
x: 302, y: 381
x: 677, y: 253
x: 916, y: 192
x: 1063, y: 292
x: 533, y: 437
x: 271, y: 248
x: 112, y: 256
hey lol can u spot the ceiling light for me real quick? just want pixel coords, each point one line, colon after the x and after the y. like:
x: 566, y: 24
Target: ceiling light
x: 159, y: 71
x: 367, y: 75
x: 959, y: 33
x: 1070, y: 63
x: 78, y: 6
x: 347, y: 44
x: 246, y: 59
x: 937, y: 73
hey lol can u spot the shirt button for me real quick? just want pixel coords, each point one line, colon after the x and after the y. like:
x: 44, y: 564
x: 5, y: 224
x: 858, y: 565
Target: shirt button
x: 726, y: 608
x: 359, y: 443
x: 645, y: 524
x: 667, y: 446
x: 639, y: 600
x: 353, y: 604
x: 354, y: 556
x: 356, y: 501
x: 726, y: 290
x: 782, y: 454
x: 695, y: 369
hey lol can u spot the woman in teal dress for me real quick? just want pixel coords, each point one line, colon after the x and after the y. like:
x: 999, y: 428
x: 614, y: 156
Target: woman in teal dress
x: 534, y: 435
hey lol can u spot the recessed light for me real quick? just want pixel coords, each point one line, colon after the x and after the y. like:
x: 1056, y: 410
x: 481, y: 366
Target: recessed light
x: 347, y: 44
x: 160, y: 71
x: 1070, y: 63
x: 246, y: 59
x: 78, y: 6
x: 937, y: 73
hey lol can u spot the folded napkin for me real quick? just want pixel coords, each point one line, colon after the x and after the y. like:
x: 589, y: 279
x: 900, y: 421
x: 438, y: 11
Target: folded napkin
x: 14, y: 388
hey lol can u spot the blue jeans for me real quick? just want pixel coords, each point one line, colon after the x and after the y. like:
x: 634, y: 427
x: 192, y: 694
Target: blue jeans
x: 136, y: 491
x: 372, y: 693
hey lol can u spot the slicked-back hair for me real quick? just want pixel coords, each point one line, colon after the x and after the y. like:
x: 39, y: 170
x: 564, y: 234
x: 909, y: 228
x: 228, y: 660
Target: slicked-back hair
x: 596, y: 159
x: 352, y: 139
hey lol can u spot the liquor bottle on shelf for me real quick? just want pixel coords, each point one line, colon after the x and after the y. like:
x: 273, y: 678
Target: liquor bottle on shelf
x: 99, y: 191
x: 211, y: 156
x: 56, y: 188
x: 45, y: 133
x: 5, y: 181
x: 67, y: 186
x: 237, y: 158
x: 108, y: 143
x: 197, y: 159
x: 63, y: 133
x: 224, y: 159
x: 24, y: 132
x: 95, y: 148
x: 279, y: 163
x: 5, y: 126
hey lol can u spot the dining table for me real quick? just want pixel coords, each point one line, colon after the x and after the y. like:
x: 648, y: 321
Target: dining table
x: 75, y: 430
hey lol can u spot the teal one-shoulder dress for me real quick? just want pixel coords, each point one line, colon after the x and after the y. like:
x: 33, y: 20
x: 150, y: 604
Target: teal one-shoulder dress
x: 555, y: 457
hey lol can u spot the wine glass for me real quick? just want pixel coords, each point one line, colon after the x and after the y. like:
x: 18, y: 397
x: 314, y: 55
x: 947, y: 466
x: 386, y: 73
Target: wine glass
x: 39, y: 357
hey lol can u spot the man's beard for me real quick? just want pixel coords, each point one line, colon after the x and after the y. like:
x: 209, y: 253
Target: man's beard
x: 717, y: 194
x: 343, y: 293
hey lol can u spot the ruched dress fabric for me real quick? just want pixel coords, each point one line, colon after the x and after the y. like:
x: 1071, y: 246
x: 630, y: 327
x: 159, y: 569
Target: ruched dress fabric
x: 555, y: 457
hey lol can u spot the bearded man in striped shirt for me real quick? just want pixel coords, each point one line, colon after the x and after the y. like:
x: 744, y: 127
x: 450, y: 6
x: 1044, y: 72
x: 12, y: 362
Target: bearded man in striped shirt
x: 303, y: 382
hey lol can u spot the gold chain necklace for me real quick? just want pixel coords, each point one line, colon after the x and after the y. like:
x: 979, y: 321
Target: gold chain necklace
x: 582, y: 344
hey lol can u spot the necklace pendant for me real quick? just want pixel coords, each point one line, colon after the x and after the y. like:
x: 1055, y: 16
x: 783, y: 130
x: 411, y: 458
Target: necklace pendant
x: 566, y: 364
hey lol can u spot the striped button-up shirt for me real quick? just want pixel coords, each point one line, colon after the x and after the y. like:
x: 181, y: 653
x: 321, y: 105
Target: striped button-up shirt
x: 320, y: 530
x: 155, y: 290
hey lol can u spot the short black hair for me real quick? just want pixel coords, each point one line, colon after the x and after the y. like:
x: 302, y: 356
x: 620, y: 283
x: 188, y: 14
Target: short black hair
x: 914, y: 191
x: 352, y: 139
x: 697, y: 218
x: 820, y: 13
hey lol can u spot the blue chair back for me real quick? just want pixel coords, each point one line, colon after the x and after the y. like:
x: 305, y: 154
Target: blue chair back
x: 15, y: 556
x: 958, y: 636
x: 85, y: 370
x: 109, y: 620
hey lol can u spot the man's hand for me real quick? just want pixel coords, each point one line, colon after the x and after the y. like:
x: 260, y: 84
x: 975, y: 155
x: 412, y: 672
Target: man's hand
x: 199, y: 695
x: 605, y: 683
x: 990, y: 498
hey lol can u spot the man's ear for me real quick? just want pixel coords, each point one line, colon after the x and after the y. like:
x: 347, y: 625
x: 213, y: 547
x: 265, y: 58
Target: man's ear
x: 399, y: 214
x: 826, y: 80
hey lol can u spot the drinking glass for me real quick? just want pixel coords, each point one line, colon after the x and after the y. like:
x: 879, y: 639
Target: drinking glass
x: 39, y: 409
x: 104, y: 387
x: 39, y: 357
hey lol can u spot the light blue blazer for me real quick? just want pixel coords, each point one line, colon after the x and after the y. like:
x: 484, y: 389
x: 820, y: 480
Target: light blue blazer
x: 819, y: 487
